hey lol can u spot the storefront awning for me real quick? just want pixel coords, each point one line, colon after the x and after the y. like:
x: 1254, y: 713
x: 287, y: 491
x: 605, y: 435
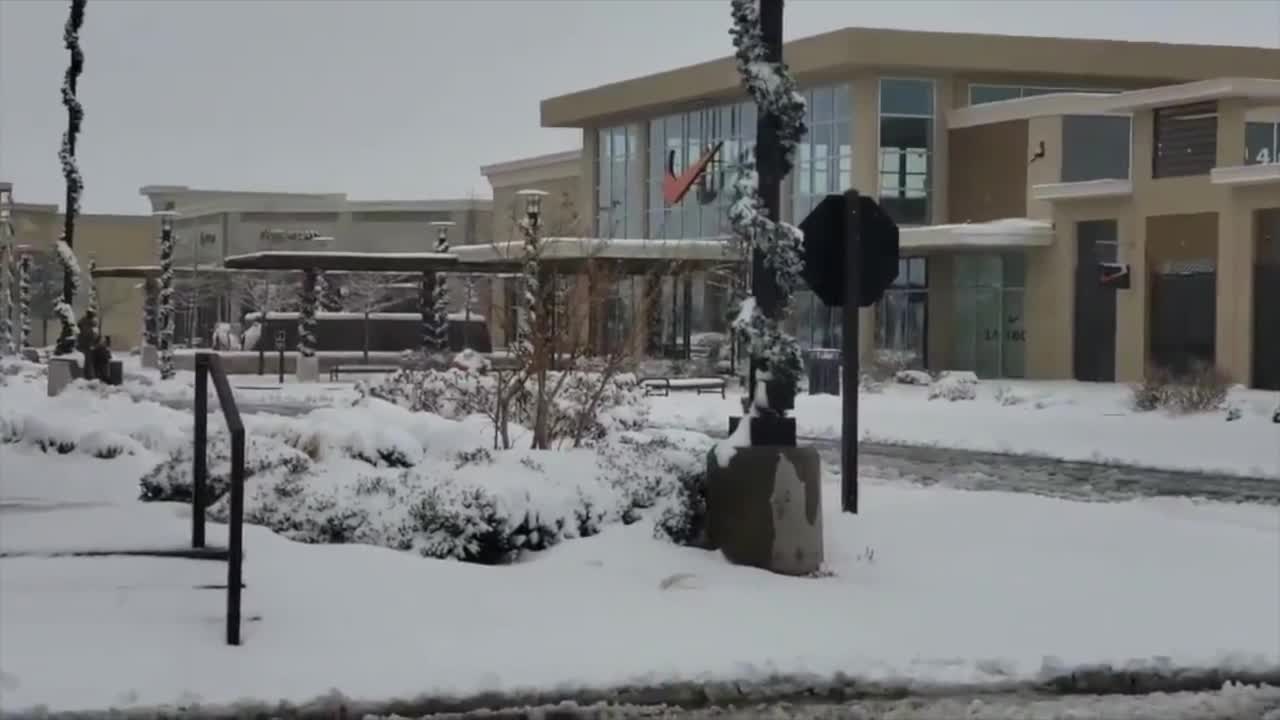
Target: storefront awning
x: 1007, y: 233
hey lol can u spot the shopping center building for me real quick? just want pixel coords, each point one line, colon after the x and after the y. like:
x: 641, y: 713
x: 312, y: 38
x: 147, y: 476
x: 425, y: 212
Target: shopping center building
x: 1027, y: 174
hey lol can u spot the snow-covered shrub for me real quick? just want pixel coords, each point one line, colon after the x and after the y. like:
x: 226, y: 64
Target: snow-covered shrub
x: 885, y: 364
x: 954, y: 385
x: 1006, y: 396
x: 171, y: 480
x: 586, y: 405
x: 683, y: 519
x: 1202, y: 389
x: 869, y: 383
x: 912, y: 377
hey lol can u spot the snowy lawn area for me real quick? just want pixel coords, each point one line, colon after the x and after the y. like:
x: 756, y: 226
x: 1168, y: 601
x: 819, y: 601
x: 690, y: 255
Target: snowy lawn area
x: 1061, y: 419
x: 927, y: 585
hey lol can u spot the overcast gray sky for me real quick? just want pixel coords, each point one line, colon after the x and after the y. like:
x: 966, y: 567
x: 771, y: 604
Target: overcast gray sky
x: 401, y: 99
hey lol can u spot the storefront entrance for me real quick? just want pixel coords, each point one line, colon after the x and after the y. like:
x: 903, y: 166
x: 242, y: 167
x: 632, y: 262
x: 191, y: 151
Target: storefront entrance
x: 989, y: 325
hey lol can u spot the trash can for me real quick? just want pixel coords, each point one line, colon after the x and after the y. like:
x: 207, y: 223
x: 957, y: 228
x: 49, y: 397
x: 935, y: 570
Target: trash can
x: 823, y: 371
x: 115, y: 373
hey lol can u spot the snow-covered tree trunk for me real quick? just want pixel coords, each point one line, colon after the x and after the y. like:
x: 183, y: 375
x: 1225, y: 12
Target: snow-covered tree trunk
x: 91, y: 311
x: 760, y: 328
x: 468, y: 302
x: 307, y: 314
x: 71, y: 174
x: 438, y: 329
x: 150, y: 310
x: 6, y: 292
x: 164, y: 314
x: 24, y: 302
x: 426, y: 281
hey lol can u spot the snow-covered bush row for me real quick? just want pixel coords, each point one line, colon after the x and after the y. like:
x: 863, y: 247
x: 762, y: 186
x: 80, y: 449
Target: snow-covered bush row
x: 587, y: 404
x: 954, y: 385
x: 475, y: 506
x: 380, y: 474
x: 88, y: 418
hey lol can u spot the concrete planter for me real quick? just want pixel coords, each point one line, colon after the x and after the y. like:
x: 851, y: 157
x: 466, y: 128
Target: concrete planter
x: 764, y: 509
x: 308, y: 368
x: 62, y: 371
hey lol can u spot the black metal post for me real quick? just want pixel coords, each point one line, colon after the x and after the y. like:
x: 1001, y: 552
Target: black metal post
x: 235, y: 540
x: 198, y: 458
x: 849, y: 351
x: 280, y: 364
x: 770, y: 428
x: 262, y: 356
x: 687, y: 315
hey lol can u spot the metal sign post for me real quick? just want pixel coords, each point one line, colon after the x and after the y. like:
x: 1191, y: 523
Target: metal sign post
x: 280, y: 354
x: 849, y: 350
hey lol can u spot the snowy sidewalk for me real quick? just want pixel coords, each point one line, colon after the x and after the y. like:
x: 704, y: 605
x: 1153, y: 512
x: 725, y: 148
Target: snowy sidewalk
x: 928, y: 587
x: 1048, y: 419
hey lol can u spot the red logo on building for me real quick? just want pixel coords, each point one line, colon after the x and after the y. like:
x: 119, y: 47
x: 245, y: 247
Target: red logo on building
x: 675, y: 188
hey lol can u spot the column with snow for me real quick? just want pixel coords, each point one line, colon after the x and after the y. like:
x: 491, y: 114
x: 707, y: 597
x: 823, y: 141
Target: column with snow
x: 24, y: 299
x: 764, y: 505
x: 7, y: 259
x: 437, y: 330
x: 164, y: 310
x: 71, y: 175
x: 308, y: 368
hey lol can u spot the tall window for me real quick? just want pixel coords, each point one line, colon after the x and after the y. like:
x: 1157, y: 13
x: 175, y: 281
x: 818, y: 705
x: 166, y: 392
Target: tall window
x: 677, y: 142
x: 619, y: 211
x: 989, y: 329
x: 1261, y: 143
x: 902, y: 316
x: 824, y: 158
x: 906, y: 141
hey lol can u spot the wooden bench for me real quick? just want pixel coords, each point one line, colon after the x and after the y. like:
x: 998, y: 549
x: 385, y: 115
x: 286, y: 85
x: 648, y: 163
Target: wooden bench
x: 337, y: 370
x: 664, y: 386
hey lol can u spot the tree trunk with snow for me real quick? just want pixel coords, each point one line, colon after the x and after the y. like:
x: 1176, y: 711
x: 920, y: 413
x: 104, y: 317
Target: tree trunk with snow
x: 164, y: 317
x: 92, y: 314
x: 150, y: 311
x: 24, y: 302
x: 307, y: 314
x: 439, y: 327
x: 71, y: 174
x: 7, y: 346
x: 774, y: 246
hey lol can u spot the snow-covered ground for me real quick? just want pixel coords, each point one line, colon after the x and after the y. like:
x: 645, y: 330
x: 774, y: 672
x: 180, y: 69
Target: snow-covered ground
x: 1061, y: 419
x: 926, y: 586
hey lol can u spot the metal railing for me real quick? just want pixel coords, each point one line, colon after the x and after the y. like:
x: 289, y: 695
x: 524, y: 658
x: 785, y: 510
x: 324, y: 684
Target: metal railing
x: 210, y: 364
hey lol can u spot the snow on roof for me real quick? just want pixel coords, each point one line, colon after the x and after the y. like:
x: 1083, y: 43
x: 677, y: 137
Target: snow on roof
x: 716, y: 248
x: 1009, y: 232
x: 322, y: 315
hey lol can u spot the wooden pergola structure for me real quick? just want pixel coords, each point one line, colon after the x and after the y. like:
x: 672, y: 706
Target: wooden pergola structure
x: 560, y: 257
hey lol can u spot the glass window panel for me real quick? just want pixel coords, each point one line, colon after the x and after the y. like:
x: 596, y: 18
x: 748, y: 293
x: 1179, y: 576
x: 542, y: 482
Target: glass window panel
x: 979, y: 94
x: 906, y: 97
x: 841, y: 101
x: 821, y: 137
x: 823, y: 105
x: 916, y: 270
x: 915, y: 185
x: 820, y: 176
x: 1259, y: 143
x: 841, y: 137
x: 1015, y: 270
x: 804, y: 178
x: 905, y: 132
x: 1013, y: 350
x: 846, y: 173
x: 990, y: 327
